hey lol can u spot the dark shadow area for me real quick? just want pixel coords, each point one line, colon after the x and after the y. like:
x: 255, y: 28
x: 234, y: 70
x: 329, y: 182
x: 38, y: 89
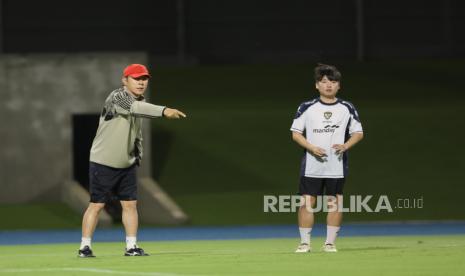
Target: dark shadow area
x: 162, y: 141
x: 84, y: 129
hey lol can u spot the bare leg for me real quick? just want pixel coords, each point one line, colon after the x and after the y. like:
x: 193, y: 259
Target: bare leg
x: 130, y: 217
x: 333, y: 221
x: 334, y: 217
x: 306, y: 220
x: 90, y: 219
x: 305, y: 216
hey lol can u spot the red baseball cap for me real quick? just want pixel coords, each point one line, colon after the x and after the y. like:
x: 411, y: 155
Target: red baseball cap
x: 135, y: 71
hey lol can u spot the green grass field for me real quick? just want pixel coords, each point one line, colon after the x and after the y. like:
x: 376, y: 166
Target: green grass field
x: 376, y: 255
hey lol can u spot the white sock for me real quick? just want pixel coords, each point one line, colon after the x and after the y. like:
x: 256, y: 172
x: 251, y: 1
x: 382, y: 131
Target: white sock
x: 131, y: 242
x: 305, y: 235
x: 85, y: 242
x: 331, y: 234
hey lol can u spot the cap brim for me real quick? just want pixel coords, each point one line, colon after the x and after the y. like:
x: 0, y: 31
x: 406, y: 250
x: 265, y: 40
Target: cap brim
x: 139, y: 75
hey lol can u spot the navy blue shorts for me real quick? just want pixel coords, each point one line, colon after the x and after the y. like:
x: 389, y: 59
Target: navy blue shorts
x: 316, y: 186
x: 107, y: 183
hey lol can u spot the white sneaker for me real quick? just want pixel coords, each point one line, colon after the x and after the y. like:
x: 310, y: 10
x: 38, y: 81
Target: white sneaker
x: 330, y: 248
x: 303, y: 248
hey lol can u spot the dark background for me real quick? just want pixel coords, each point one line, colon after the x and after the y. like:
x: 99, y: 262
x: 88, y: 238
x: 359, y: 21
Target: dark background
x: 210, y: 31
x: 239, y: 69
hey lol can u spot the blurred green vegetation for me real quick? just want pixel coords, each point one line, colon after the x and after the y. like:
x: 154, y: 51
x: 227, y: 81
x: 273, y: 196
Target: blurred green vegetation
x: 235, y: 145
x: 38, y: 216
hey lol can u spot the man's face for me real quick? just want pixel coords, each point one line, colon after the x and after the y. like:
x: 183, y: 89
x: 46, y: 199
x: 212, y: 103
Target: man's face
x: 136, y: 86
x: 327, y: 87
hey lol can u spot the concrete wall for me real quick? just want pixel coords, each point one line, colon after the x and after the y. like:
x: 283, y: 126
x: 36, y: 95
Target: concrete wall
x: 39, y: 93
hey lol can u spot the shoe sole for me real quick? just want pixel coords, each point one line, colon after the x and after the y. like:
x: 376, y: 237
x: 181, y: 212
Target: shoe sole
x: 135, y: 255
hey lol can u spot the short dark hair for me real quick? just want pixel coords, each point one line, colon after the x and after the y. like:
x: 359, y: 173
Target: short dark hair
x: 330, y: 71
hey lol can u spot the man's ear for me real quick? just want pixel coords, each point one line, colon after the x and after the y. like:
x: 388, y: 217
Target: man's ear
x: 124, y: 80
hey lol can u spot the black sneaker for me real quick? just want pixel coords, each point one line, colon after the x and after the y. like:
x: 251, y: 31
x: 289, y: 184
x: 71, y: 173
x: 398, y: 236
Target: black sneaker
x: 136, y: 251
x: 86, y: 252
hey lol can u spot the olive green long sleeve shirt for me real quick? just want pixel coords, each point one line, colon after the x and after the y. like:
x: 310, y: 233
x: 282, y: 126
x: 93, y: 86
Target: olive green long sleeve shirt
x: 118, y: 142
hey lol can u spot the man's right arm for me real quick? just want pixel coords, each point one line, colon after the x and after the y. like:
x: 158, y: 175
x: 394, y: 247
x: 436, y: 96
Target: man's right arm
x: 298, y: 127
x: 125, y: 104
x: 302, y: 141
x: 171, y: 113
x: 147, y: 110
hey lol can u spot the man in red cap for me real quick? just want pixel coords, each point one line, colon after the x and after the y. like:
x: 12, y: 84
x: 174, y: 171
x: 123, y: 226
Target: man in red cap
x: 115, y: 153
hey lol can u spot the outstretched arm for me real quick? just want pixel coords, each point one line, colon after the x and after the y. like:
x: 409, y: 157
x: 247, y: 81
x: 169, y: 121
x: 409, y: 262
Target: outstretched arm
x: 173, y: 113
x: 125, y: 104
x: 143, y: 109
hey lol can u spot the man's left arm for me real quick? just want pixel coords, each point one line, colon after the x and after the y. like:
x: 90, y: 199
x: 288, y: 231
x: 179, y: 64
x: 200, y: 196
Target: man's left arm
x: 355, y: 131
x: 354, y: 139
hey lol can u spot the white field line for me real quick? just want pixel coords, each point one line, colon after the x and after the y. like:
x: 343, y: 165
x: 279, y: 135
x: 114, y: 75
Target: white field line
x: 81, y: 269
